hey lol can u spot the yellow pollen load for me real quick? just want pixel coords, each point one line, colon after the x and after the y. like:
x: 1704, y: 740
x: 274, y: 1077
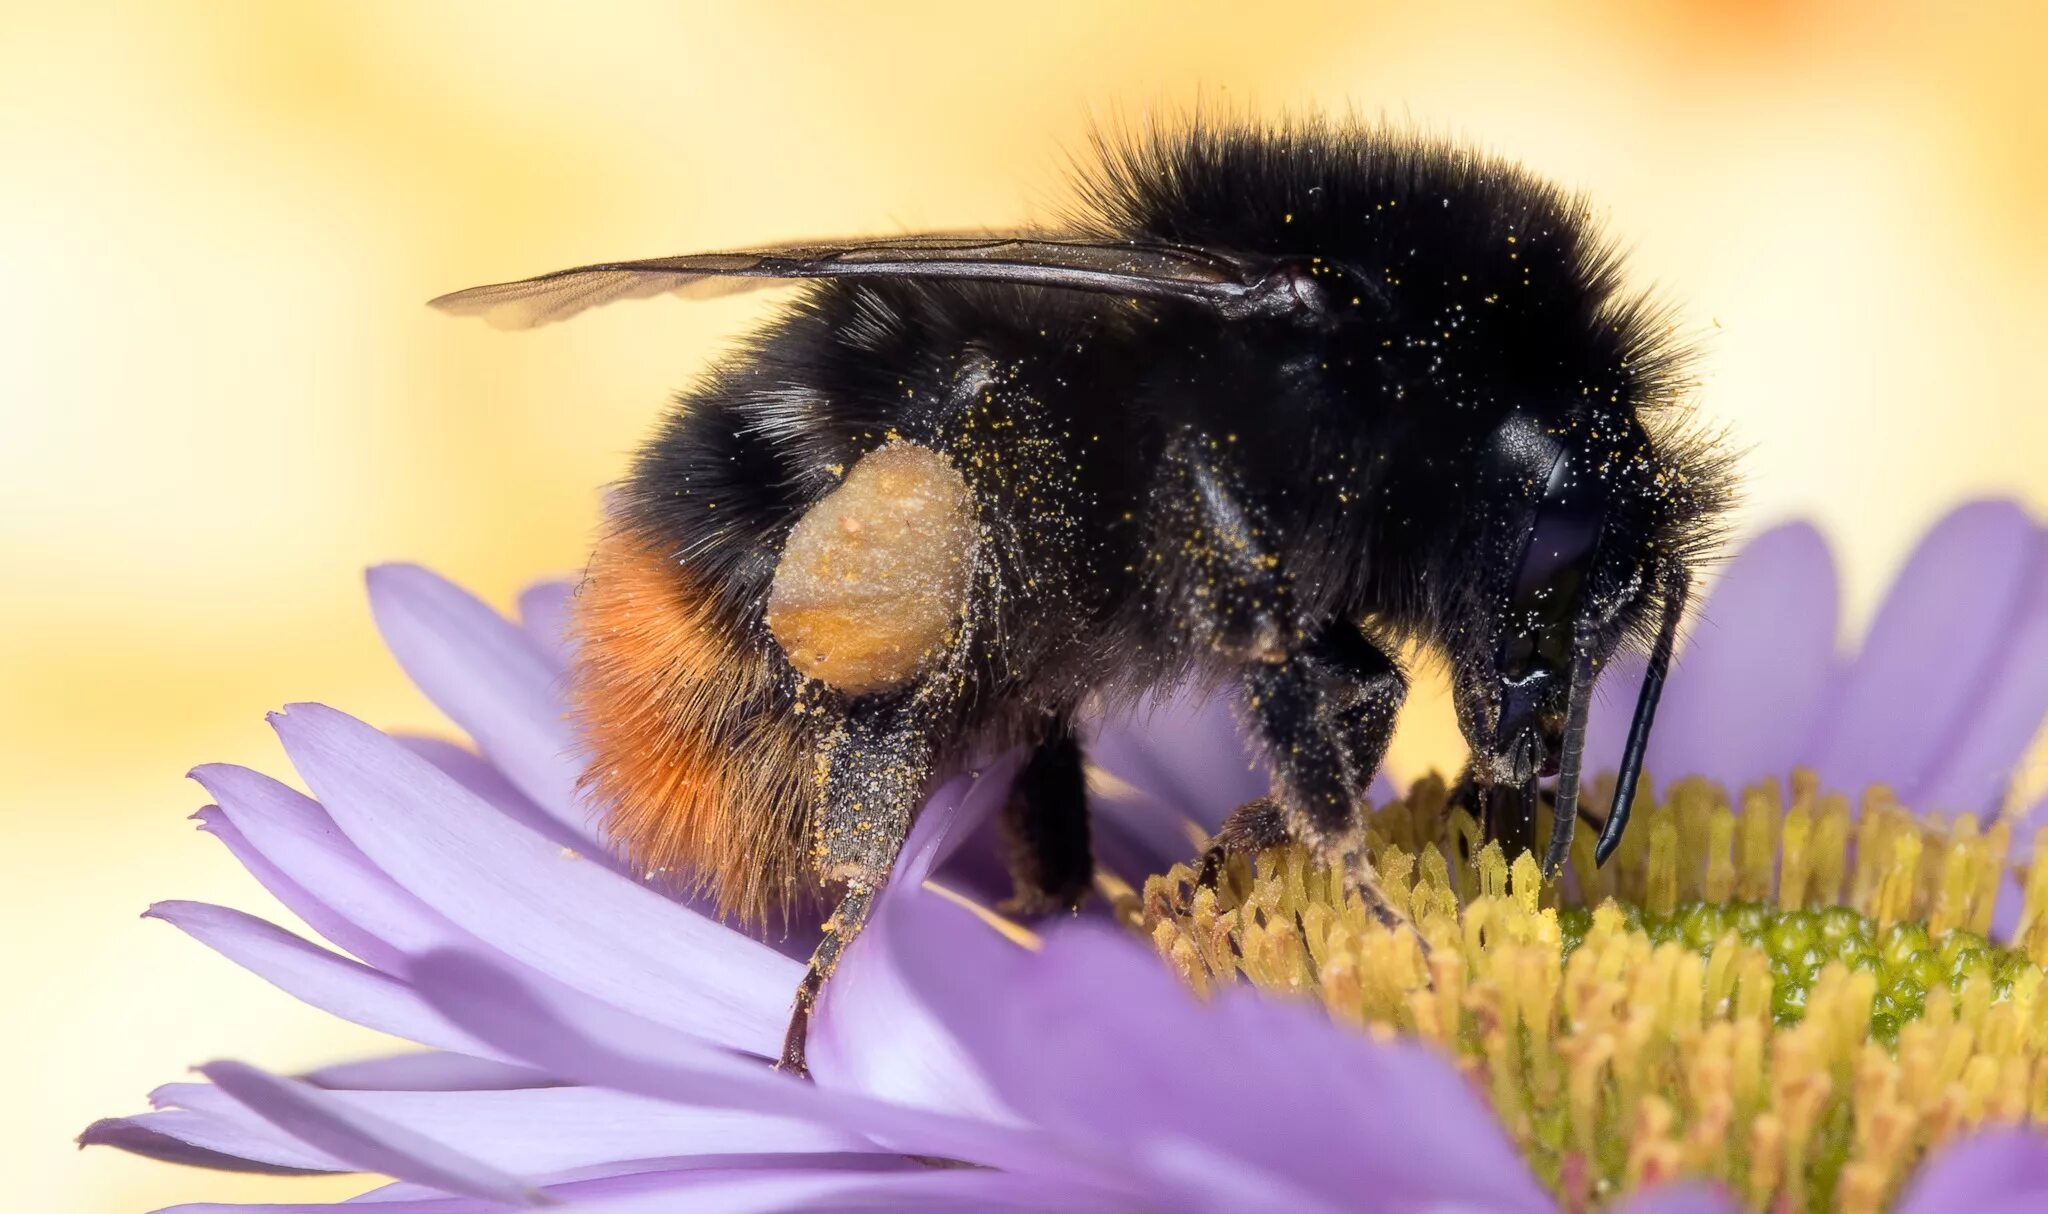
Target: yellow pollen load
x: 1798, y: 1002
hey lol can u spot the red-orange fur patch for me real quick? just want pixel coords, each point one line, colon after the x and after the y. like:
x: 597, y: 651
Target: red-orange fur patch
x: 697, y: 781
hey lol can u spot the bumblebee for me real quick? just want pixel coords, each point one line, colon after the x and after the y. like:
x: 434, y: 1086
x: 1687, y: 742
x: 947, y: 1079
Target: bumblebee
x: 1269, y: 404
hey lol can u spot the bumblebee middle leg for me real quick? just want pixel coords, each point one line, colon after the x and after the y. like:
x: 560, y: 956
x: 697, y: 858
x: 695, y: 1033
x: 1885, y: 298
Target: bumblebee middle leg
x: 1326, y: 714
x: 1045, y: 826
x: 874, y: 768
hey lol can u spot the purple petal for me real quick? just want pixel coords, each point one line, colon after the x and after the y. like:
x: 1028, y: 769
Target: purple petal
x: 979, y: 869
x: 766, y: 1193
x: 951, y: 815
x: 2005, y: 913
x: 870, y: 1033
x: 1742, y: 698
x: 546, y: 1133
x: 328, y: 981
x: 1207, y: 1180
x: 475, y: 773
x: 873, y: 1034
x: 428, y: 1071
x: 206, y: 1099
x: 490, y: 678
x: 1091, y: 1038
x: 572, y: 1035
x: 956, y: 834
x: 545, y: 612
x: 2026, y: 834
x: 1983, y: 746
x: 197, y: 1140
x: 1382, y: 789
x: 329, y: 1122
x: 760, y: 1190
x: 578, y: 922
x: 1439, y: 1144
x: 1139, y: 833
x: 1937, y: 641
x: 954, y: 970
x: 1187, y: 750
x: 1991, y: 1172
x: 578, y: 1186
x: 296, y: 898
x: 1170, y: 770
x: 295, y: 834
x: 1683, y: 1198
x: 590, y: 1042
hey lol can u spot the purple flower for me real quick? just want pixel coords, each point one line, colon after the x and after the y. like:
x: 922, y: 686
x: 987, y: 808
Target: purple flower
x: 594, y: 1043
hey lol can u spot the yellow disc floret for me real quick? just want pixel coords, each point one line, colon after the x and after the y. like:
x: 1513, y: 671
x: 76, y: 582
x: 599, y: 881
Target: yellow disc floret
x: 1797, y: 1001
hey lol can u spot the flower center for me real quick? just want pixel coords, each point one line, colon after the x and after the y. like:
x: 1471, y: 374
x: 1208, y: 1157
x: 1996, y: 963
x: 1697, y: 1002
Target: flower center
x: 1794, y: 1001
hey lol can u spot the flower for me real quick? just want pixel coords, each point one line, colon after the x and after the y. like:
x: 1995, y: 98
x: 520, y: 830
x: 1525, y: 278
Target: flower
x: 1796, y: 1029
x: 595, y: 1043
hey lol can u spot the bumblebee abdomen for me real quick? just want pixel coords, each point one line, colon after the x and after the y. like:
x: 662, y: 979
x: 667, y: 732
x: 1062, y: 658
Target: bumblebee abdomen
x: 701, y: 767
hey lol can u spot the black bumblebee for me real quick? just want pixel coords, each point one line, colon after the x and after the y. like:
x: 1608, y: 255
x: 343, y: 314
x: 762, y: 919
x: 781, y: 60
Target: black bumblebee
x: 1272, y: 402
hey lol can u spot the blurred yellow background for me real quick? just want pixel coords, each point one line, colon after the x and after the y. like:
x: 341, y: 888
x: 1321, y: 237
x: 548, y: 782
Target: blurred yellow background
x: 220, y: 397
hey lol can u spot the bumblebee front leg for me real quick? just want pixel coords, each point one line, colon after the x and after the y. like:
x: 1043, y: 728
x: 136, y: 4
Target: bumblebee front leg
x: 873, y: 769
x: 1326, y: 714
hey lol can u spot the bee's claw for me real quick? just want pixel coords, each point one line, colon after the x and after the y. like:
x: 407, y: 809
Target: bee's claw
x: 1361, y: 878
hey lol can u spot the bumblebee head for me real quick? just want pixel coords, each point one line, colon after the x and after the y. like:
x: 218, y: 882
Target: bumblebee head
x: 1586, y: 543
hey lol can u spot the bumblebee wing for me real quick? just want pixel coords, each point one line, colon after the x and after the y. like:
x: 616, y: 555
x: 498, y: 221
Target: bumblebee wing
x: 1202, y: 276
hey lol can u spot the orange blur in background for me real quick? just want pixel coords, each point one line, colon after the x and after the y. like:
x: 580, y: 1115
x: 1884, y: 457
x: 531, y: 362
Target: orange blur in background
x: 222, y: 397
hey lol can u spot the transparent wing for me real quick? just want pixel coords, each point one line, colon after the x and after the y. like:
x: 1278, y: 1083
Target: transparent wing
x: 1146, y: 271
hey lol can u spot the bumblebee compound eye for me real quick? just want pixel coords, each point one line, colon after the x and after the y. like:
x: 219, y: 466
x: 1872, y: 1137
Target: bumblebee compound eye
x: 873, y: 579
x: 1545, y: 661
x: 1557, y: 557
x: 1542, y: 627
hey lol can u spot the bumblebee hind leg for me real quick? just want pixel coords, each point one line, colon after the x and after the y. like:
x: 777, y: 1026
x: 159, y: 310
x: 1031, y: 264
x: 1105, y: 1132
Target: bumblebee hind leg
x: 1045, y: 827
x: 873, y: 769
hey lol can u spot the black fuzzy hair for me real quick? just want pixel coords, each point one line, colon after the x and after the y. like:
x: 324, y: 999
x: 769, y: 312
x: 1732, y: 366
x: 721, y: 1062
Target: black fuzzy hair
x: 1432, y: 226
x: 1170, y: 492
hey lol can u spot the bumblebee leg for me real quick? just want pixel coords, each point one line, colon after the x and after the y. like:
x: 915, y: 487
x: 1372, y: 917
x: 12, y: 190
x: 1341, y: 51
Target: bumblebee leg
x: 1361, y: 694
x: 1243, y: 606
x: 874, y: 767
x: 1045, y: 827
x: 1250, y: 829
x: 1326, y: 714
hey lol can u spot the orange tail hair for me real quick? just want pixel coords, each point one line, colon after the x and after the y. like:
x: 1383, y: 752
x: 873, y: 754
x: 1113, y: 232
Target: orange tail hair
x: 701, y: 783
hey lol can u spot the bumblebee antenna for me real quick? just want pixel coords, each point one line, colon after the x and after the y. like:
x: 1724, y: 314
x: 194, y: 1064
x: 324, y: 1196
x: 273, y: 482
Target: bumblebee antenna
x: 1565, y: 817
x: 1677, y: 586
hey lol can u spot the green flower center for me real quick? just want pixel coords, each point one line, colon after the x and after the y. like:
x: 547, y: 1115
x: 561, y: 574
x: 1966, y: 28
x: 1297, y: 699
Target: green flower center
x: 1789, y: 999
x: 1906, y: 961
